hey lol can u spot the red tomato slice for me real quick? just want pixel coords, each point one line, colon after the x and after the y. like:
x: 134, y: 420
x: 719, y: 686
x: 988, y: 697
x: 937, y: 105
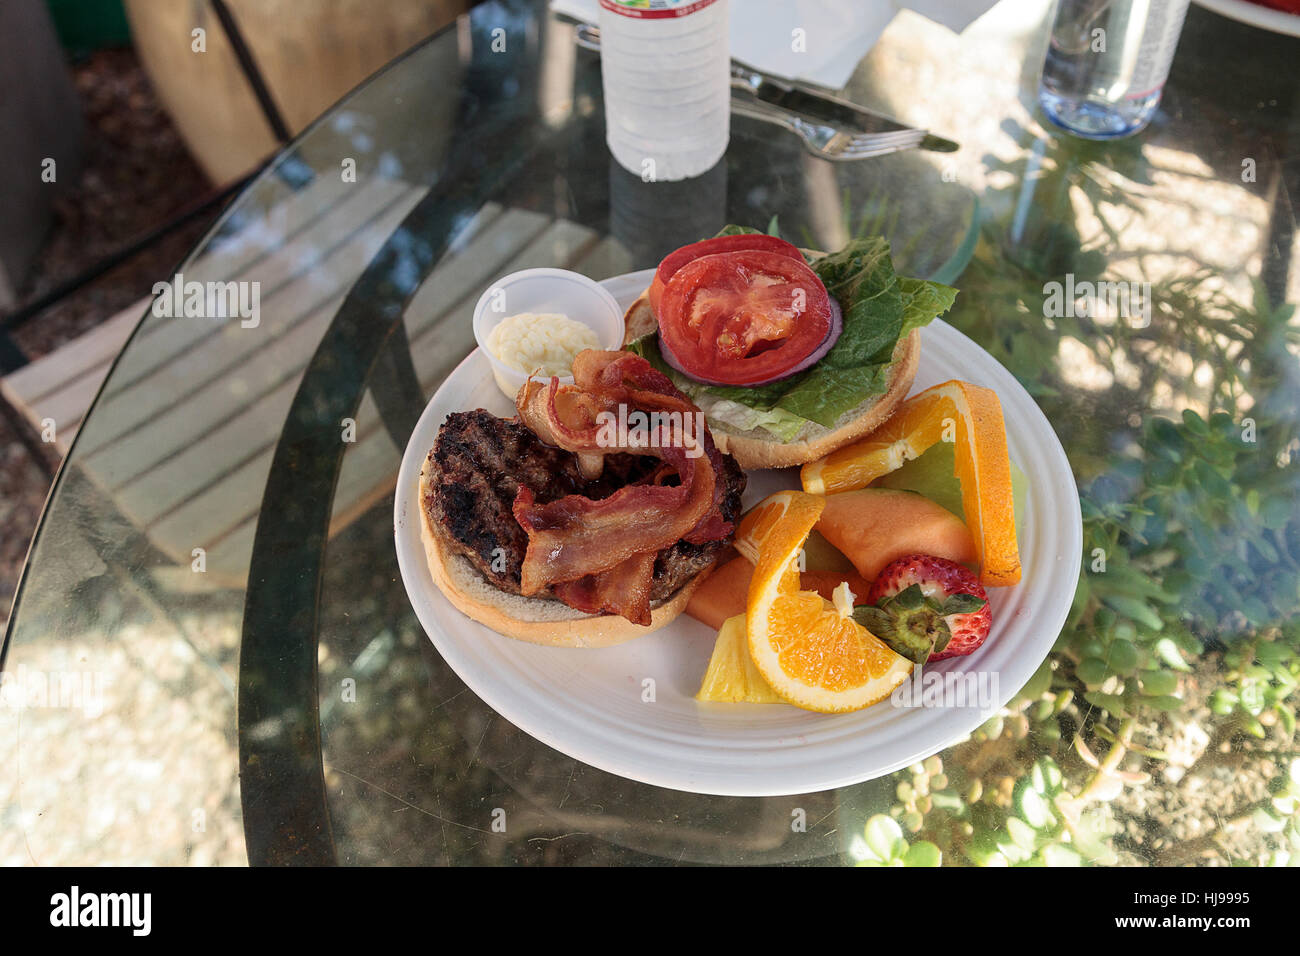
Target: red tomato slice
x: 675, y: 260
x: 743, y: 318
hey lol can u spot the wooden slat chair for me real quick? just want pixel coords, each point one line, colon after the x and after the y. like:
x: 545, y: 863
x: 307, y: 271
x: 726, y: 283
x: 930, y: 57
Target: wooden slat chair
x: 190, y: 473
x: 58, y: 388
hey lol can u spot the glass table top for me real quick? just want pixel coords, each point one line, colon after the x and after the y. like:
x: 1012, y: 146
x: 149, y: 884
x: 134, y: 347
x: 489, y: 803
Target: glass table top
x: 212, y: 659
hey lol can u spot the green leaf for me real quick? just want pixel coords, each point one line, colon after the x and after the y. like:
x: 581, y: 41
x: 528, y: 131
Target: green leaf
x: 1022, y: 833
x: 1223, y: 701
x: 1252, y: 698
x: 742, y: 418
x: 1168, y: 652
x: 1013, y: 852
x: 874, y: 619
x: 1135, y: 609
x: 911, y: 598
x: 1091, y: 670
x: 884, y: 837
x: 739, y: 416
x: 825, y: 393
x: 734, y: 230
x: 1035, y: 809
x: 1252, y: 501
x: 923, y: 853
x: 1123, y: 657
x: 1195, y: 423
x: 861, y: 270
x: 1273, y: 655
x: 1045, y: 776
x: 923, y: 301
x: 1276, y: 512
x: 1107, y: 702
x: 1055, y: 854
x: 1158, y: 683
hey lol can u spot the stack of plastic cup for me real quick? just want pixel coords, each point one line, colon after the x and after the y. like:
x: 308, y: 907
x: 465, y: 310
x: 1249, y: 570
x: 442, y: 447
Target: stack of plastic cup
x: 666, y: 71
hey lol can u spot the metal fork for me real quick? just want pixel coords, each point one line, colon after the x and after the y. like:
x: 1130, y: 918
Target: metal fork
x: 829, y: 142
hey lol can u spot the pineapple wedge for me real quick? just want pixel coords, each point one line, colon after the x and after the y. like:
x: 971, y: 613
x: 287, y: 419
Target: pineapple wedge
x: 732, y: 677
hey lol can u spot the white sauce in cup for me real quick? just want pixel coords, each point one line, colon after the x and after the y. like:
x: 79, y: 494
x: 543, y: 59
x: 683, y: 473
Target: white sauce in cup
x: 543, y: 343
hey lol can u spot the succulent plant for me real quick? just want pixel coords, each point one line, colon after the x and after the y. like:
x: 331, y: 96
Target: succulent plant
x: 882, y: 844
x: 1191, y: 561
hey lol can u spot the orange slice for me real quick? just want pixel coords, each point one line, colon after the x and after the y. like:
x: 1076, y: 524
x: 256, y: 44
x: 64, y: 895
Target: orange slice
x: 760, y: 520
x: 810, y: 654
x: 970, y: 417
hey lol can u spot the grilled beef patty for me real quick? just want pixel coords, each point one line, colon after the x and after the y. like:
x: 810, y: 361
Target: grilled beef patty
x: 479, y: 462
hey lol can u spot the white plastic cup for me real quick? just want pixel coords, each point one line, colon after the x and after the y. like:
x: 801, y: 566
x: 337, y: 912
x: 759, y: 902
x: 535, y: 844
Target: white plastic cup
x: 541, y: 291
x: 666, y: 72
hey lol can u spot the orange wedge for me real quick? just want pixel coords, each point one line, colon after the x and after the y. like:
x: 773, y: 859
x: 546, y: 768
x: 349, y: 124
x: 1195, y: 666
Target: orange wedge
x: 969, y: 416
x: 810, y: 654
x: 760, y: 520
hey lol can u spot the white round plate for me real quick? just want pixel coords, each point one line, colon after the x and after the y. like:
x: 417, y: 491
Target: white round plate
x: 1266, y: 18
x: 631, y: 710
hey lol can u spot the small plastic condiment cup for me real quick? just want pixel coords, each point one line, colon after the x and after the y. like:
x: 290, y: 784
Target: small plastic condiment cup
x: 542, y: 291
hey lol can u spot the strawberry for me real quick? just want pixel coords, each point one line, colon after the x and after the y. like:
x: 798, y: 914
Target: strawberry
x: 927, y: 609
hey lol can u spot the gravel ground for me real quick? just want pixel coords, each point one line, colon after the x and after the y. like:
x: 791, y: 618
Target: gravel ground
x: 23, y: 484
x: 136, y: 176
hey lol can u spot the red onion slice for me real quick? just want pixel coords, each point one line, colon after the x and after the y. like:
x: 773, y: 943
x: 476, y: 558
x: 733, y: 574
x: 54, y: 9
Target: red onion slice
x: 813, y: 357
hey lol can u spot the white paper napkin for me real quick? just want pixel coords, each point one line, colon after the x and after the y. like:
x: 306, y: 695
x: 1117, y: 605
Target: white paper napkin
x: 836, y: 34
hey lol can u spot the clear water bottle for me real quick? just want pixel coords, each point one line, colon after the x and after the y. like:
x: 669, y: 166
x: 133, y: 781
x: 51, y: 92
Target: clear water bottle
x: 1107, y: 63
x: 666, y: 71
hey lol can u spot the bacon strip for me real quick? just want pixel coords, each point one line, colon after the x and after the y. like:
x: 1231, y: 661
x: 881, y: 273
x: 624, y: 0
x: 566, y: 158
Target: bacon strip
x: 548, y: 410
x: 575, y: 536
x: 566, y: 416
x: 624, y: 590
x: 598, y: 556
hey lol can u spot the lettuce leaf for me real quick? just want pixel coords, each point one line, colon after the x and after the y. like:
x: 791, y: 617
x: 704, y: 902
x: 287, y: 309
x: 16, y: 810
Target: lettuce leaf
x: 717, y: 403
x: 824, y: 394
x: 734, y: 230
x: 879, y: 308
x: 861, y: 278
x: 783, y: 424
x: 923, y: 301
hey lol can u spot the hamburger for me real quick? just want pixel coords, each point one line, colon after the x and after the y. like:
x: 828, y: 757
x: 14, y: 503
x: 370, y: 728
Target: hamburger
x: 559, y: 526
x: 790, y: 353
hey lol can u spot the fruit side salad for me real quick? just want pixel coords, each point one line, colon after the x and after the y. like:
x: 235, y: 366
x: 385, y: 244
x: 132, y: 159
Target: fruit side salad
x: 879, y: 564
